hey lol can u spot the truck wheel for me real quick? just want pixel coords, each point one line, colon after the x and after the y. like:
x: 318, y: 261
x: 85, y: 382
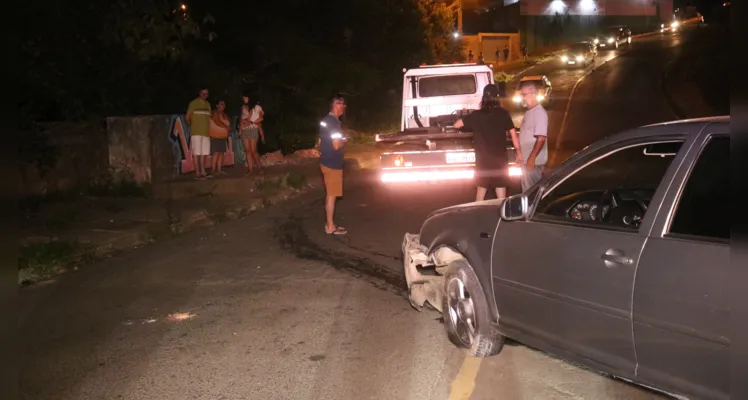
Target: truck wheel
x: 467, y: 318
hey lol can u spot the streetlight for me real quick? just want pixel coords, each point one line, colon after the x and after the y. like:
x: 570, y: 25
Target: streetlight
x: 183, y: 7
x: 456, y: 35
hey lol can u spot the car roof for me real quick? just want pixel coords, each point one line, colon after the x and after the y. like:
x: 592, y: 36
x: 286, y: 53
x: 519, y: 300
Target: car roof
x: 532, y: 78
x: 688, y: 127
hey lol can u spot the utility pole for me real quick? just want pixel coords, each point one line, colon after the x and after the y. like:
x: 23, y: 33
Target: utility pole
x: 459, y: 17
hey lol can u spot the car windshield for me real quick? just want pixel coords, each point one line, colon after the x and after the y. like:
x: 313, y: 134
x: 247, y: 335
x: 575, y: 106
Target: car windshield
x: 579, y: 48
x: 538, y: 83
x: 446, y: 85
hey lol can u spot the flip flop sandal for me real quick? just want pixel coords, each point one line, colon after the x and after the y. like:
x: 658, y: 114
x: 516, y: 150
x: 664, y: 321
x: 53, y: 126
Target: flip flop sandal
x: 338, y: 231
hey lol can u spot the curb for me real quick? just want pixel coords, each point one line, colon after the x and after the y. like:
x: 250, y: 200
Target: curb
x: 134, y: 238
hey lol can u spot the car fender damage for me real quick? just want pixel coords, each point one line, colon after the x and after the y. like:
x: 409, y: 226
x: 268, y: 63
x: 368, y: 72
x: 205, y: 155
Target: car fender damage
x: 424, y: 273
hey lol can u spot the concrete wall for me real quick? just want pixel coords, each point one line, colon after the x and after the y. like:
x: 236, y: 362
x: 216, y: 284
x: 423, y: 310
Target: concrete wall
x: 78, y: 155
x: 143, y: 149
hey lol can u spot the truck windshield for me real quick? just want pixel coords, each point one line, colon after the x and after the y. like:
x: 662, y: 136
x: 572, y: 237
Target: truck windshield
x: 446, y: 85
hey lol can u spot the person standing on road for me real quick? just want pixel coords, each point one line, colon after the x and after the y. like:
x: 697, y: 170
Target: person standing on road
x: 470, y: 55
x: 524, y: 51
x: 331, y: 161
x: 506, y: 53
x: 198, y: 117
x: 219, y: 133
x: 498, y: 55
x: 533, y: 135
x: 490, y: 125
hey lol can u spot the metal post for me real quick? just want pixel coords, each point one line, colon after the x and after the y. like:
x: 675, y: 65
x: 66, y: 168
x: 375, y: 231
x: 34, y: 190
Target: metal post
x: 459, y: 17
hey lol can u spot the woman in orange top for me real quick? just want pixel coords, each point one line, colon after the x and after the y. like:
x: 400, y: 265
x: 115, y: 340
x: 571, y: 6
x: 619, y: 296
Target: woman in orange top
x: 219, y: 133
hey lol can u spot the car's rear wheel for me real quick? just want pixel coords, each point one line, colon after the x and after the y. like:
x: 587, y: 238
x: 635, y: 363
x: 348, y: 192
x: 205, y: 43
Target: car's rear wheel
x: 467, y: 316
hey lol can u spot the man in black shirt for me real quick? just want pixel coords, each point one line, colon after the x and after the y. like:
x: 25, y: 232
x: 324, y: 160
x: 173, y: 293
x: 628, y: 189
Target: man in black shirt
x: 490, y: 125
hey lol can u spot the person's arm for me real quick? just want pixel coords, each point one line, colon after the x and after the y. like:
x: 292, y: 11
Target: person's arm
x: 459, y: 124
x: 541, y: 134
x: 515, y: 143
x: 261, y: 117
x: 190, y: 109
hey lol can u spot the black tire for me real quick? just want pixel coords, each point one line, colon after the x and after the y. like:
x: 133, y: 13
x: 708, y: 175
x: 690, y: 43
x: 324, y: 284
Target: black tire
x: 484, y: 339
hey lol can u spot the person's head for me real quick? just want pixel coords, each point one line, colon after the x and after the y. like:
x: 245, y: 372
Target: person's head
x: 204, y: 94
x: 245, y: 99
x: 529, y: 93
x: 490, y: 100
x: 337, y: 105
x: 221, y: 106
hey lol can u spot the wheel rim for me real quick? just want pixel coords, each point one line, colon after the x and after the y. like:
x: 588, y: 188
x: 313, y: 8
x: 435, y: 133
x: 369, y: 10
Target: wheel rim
x: 461, y: 311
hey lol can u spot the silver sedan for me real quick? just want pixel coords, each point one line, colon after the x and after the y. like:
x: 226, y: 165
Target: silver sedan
x: 616, y: 260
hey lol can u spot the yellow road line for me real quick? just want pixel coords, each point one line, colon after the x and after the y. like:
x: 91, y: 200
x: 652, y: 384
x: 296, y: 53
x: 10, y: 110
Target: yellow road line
x: 464, y: 383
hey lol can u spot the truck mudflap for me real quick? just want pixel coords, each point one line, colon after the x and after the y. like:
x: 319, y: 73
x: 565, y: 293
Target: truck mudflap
x: 422, y: 287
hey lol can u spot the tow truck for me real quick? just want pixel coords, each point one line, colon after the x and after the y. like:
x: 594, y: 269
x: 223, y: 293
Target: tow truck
x: 428, y: 147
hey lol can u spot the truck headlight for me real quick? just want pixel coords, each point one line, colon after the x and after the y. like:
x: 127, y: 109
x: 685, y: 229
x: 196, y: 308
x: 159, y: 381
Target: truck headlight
x: 596, y: 41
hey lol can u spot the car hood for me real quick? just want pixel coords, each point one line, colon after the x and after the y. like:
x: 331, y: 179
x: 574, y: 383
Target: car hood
x: 465, y: 207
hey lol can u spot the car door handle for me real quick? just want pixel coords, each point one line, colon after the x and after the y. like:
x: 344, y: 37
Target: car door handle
x: 614, y: 257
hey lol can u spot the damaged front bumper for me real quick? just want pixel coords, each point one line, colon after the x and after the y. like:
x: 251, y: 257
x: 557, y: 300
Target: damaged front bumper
x: 425, y: 284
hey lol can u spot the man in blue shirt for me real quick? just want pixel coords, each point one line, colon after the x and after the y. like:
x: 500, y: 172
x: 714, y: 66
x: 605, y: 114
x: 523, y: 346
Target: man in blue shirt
x: 331, y: 161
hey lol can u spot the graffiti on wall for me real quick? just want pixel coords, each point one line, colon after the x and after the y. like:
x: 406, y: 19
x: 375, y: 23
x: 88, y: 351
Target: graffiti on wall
x: 179, y: 135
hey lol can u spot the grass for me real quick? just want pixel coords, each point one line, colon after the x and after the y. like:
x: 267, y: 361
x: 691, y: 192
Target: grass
x: 294, y: 180
x: 42, y: 260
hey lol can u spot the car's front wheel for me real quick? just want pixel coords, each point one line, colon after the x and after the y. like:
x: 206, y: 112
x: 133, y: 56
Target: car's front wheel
x: 467, y: 317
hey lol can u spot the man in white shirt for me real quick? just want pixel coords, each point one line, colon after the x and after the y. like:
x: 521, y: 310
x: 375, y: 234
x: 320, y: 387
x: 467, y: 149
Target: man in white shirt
x: 533, y: 136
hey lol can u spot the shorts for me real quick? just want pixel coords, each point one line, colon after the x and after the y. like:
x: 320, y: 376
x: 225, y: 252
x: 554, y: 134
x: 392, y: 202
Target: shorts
x: 492, y: 178
x: 333, y: 181
x: 217, y: 145
x: 491, y: 172
x: 200, y: 145
x: 251, y: 132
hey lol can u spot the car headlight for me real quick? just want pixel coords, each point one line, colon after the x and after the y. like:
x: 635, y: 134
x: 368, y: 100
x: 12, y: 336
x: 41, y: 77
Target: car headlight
x: 580, y: 58
x: 516, y: 99
x: 515, y: 171
x: 596, y: 41
x: 610, y: 40
x: 674, y: 24
x: 564, y: 58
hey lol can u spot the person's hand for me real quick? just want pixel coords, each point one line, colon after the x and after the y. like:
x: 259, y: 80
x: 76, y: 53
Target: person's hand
x: 531, y: 163
x: 518, y: 157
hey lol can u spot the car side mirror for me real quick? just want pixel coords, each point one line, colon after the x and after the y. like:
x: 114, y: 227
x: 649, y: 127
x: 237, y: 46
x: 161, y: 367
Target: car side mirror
x: 514, y: 207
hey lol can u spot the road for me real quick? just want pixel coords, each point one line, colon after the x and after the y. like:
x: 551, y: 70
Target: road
x: 268, y: 307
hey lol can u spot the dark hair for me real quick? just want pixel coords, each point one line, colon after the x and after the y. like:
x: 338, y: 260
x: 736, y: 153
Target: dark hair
x: 490, y: 103
x: 336, y: 97
x: 528, y: 84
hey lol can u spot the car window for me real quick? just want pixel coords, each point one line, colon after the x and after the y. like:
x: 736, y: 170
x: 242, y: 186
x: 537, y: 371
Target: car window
x: 703, y: 206
x: 611, y: 191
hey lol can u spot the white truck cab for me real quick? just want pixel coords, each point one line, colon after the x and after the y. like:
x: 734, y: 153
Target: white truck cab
x: 434, y: 96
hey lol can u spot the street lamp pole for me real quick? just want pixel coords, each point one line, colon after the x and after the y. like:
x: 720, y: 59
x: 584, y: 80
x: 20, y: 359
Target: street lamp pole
x: 459, y: 17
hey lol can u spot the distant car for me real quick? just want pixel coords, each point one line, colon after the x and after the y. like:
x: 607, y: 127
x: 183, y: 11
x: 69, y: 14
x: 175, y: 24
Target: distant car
x: 545, y: 90
x: 617, y: 259
x: 578, y: 55
x: 613, y: 37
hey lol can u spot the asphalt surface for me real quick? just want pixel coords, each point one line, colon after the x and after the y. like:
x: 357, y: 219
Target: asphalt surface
x: 268, y: 307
